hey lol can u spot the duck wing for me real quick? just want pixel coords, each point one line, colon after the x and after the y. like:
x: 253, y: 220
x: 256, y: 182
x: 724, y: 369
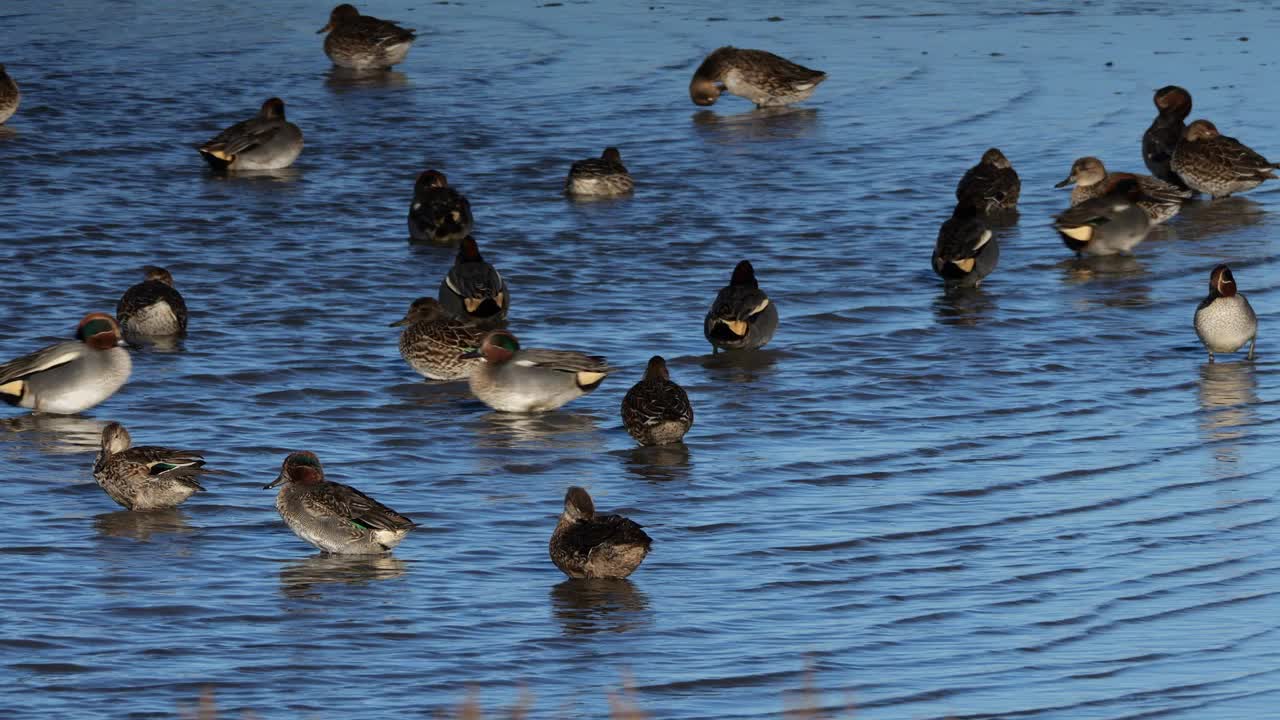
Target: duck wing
x: 377, y: 31
x: 568, y: 361
x: 243, y: 136
x: 651, y: 403
x: 343, y: 501
x: 41, y: 360
x: 146, y: 294
x: 1242, y: 161
x: 606, y: 530
x: 161, y: 462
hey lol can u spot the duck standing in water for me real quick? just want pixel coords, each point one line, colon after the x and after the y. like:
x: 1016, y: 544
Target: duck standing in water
x: 434, y: 341
x: 71, y: 376
x: 532, y: 380
x: 656, y: 411
x: 266, y: 141
x: 473, y: 290
x: 1112, y: 223
x: 586, y: 545
x: 604, y: 176
x: 364, y: 42
x: 1213, y: 163
x: 759, y: 76
x: 966, y: 251
x: 146, y: 477
x: 742, y: 316
x: 991, y: 186
x: 1224, y: 320
x: 1173, y: 105
x: 153, y: 307
x: 1161, y: 200
x: 334, y: 517
x: 10, y: 96
x: 438, y: 213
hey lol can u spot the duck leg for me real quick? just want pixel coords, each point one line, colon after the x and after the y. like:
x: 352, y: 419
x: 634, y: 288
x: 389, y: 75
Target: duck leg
x: 1252, y: 341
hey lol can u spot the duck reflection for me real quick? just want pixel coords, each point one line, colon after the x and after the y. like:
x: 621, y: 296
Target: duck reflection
x: 1112, y: 277
x: 783, y: 123
x: 283, y: 175
x: 738, y: 366
x: 55, y: 434
x: 156, y: 343
x: 559, y: 428
x: 661, y: 463
x: 1228, y: 395
x: 304, y: 578
x: 340, y: 79
x: 141, y: 526
x: 964, y: 306
x: 585, y: 606
x: 1207, y: 218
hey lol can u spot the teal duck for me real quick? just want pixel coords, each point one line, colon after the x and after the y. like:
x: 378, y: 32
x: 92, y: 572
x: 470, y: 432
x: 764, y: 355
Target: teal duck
x: 434, y: 341
x: 604, y: 176
x: 73, y: 376
x: 656, y: 411
x: 438, y: 213
x: 742, y: 316
x: 10, y: 96
x: 1210, y: 162
x: 991, y: 186
x: 266, y: 141
x: 966, y: 250
x: 587, y: 545
x: 759, y: 76
x: 153, y: 307
x: 1173, y: 105
x: 146, y: 477
x: 1224, y: 320
x: 1161, y: 200
x: 473, y: 290
x: 363, y: 42
x: 1109, y: 224
x: 531, y: 380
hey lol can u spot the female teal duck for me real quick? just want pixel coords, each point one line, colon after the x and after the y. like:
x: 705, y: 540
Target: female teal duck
x: 742, y: 316
x: 656, y: 411
x: 473, y: 290
x: 759, y: 76
x: 604, y: 176
x: 966, y: 251
x: 1173, y: 105
x: 586, y: 545
x: 265, y: 141
x: 438, y: 213
x: 434, y: 342
x: 334, y: 517
x: 1112, y: 223
x: 531, y: 380
x: 992, y: 185
x: 72, y: 376
x: 1213, y: 163
x: 363, y: 42
x: 10, y: 96
x: 153, y: 307
x: 1161, y: 200
x: 146, y: 477
x: 1225, y: 320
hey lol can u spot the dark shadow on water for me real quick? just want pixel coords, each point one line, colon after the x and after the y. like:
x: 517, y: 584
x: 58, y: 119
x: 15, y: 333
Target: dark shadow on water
x: 341, y: 80
x: 1113, y: 279
x: 284, y: 175
x: 737, y: 366
x: 661, y: 463
x: 1228, y: 396
x: 563, y: 428
x: 156, y: 343
x: 7, y: 133
x: 963, y: 306
x: 1204, y: 218
x: 588, y: 606
x: 54, y: 434
x: 429, y: 393
x: 762, y: 123
x: 141, y: 526
x: 305, y: 578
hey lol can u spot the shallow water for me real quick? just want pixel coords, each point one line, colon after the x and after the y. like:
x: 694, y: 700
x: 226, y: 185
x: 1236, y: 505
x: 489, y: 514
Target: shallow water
x: 1034, y: 500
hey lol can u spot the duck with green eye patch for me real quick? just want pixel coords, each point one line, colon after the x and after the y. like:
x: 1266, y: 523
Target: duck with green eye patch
x: 72, y: 376
x: 512, y: 379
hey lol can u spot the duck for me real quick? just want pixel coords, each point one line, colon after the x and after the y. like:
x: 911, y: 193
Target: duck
x: 266, y: 141
x: 147, y: 477
x: 759, y: 76
x: 742, y: 316
x: 587, y: 545
x: 1210, y: 162
x: 438, y: 213
x: 1173, y: 105
x: 10, y: 96
x: 1224, y: 320
x: 473, y: 290
x: 656, y: 411
x: 72, y: 376
x: 434, y: 341
x: 1109, y: 224
x: 153, y: 307
x: 604, y: 176
x: 1161, y: 200
x: 531, y: 380
x: 335, y: 518
x: 992, y: 185
x: 364, y: 42
x: 966, y: 250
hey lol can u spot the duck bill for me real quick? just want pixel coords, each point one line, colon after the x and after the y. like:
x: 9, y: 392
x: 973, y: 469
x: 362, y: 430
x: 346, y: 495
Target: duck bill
x: 402, y: 321
x: 1064, y: 183
x: 279, y: 479
x: 472, y: 355
x: 325, y: 29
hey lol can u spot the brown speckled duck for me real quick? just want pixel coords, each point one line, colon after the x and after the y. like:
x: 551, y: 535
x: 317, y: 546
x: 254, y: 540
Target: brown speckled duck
x: 587, y: 545
x: 1161, y: 200
x: 991, y: 186
x: 759, y: 76
x: 1173, y: 105
x: 10, y: 96
x: 265, y: 141
x: 438, y: 213
x: 434, y: 341
x: 656, y: 411
x: 601, y: 177
x: 146, y: 477
x: 363, y: 42
x: 1213, y: 163
x: 153, y: 307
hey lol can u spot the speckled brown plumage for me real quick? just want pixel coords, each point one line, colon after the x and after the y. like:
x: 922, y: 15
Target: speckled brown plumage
x: 1160, y: 200
x: 991, y: 186
x: 434, y: 341
x: 656, y: 411
x: 438, y: 213
x: 966, y: 250
x: 586, y: 545
x: 759, y: 76
x: 364, y: 42
x: 10, y: 96
x: 602, y: 176
x: 152, y: 308
x: 1213, y: 163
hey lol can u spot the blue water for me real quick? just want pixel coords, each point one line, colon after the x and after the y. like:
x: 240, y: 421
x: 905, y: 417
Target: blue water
x: 1033, y: 501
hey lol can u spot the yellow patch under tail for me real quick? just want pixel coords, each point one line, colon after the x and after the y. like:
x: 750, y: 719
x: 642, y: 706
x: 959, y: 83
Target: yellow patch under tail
x: 1084, y: 233
x: 966, y: 264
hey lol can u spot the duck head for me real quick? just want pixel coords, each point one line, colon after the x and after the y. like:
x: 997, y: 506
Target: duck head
x: 424, y: 308
x: 343, y: 12
x: 115, y: 439
x: 1221, y: 282
x: 656, y: 369
x: 498, y: 347
x: 430, y: 179
x: 99, y: 331
x: 612, y: 155
x: 995, y: 158
x: 578, y: 505
x: 301, y: 467
x: 744, y: 275
x: 272, y: 108
x: 1200, y: 130
x: 158, y: 274
x: 1085, y: 171
x: 704, y: 91
x: 1173, y: 100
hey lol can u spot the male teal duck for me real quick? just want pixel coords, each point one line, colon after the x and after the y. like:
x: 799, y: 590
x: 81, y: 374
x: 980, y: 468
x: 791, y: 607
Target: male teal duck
x: 604, y: 176
x: 10, y: 96
x: 1109, y: 224
x: 473, y: 290
x: 153, y: 307
x: 587, y: 545
x: 334, y: 517
x: 438, y: 213
x: 73, y: 376
x: 1161, y: 200
x: 146, y: 477
x: 1173, y: 105
x: 991, y: 186
x: 512, y: 379
x: 656, y: 411
x: 433, y: 341
x: 1225, y: 320
x: 1213, y: 163
x: 742, y: 316
x: 266, y: 141
x: 966, y: 251
x: 759, y: 76
x: 363, y: 42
